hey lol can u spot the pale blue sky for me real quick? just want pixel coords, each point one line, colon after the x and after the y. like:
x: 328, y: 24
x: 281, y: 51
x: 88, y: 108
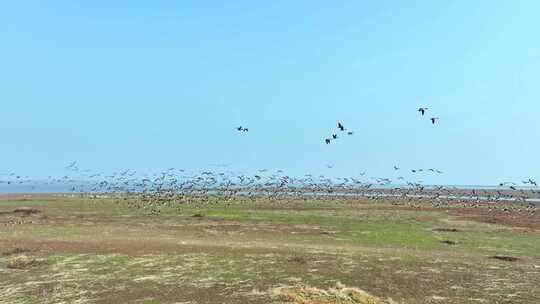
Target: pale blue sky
x: 150, y: 85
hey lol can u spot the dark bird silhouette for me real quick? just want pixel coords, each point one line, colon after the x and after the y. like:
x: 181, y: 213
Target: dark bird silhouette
x: 334, y: 136
x: 350, y: 133
x: 327, y: 141
x: 72, y: 165
x: 422, y: 110
x: 340, y: 126
x: 530, y: 181
x: 434, y: 119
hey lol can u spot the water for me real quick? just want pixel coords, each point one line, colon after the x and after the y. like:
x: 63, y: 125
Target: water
x: 36, y: 187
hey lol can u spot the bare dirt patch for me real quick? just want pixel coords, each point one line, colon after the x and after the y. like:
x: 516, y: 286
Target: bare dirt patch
x: 297, y: 259
x: 510, y: 217
x: 504, y: 258
x: 446, y: 230
x: 500, y: 217
x: 448, y: 242
x: 26, y: 210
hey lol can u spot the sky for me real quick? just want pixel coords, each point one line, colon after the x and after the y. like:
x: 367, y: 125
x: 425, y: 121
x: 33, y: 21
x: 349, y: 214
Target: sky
x: 149, y: 85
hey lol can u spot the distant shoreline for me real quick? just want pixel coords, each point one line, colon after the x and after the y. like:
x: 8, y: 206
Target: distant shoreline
x: 67, y: 188
x: 452, y: 194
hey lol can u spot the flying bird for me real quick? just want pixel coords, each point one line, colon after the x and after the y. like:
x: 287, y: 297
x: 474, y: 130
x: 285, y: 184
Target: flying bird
x: 422, y: 110
x: 340, y: 126
x: 434, y: 119
x: 72, y: 165
x: 530, y: 181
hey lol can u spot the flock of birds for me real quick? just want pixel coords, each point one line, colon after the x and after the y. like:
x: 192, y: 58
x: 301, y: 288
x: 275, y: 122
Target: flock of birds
x: 242, y: 129
x: 423, y: 112
x: 334, y: 136
x: 178, y: 186
x: 174, y: 187
x: 342, y: 128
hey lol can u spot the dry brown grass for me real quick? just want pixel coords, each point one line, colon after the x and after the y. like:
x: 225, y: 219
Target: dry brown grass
x: 340, y: 294
x: 23, y: 262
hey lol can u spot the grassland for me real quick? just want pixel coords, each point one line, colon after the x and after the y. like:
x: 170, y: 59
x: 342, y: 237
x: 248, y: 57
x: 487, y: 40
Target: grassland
x: 309, y: 252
